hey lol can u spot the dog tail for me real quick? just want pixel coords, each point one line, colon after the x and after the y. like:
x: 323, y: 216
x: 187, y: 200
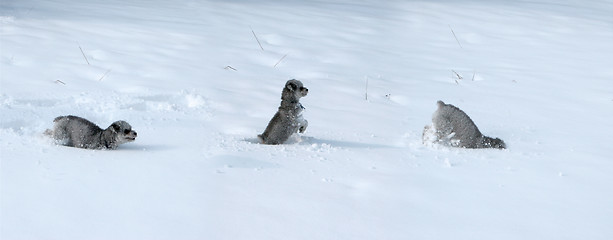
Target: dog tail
x: 48, y: 132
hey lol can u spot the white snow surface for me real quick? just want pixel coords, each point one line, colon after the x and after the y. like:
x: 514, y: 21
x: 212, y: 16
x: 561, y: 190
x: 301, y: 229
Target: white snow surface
x: 192, y: 80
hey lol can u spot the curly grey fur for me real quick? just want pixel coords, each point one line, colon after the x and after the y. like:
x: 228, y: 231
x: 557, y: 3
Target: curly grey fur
x: 78, y: 132
x: 453, y: 126
x: 288, y: 119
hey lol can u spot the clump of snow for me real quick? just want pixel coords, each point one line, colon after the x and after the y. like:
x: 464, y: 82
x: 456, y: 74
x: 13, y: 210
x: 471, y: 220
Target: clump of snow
x: 192, y: 80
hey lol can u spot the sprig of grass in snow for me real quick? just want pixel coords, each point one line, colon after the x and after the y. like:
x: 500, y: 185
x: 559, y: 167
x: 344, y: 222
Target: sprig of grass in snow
x: 83, y: 53
x: 456, y: 38
x: 456, y: 75
x: 256, y: 38
x: 104, y: 75
x: 366, y: 90
x: 280, y: 60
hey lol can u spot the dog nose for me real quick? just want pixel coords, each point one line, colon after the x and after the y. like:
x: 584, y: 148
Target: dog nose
x: 135, y: 133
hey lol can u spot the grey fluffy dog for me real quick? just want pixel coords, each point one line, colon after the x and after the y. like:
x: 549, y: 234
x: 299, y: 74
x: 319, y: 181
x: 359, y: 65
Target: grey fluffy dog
x: 288, y: 119
x: 78, y: 132
x: 453, y: 127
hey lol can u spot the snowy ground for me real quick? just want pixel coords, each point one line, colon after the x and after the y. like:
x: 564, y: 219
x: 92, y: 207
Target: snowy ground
x: 192, y: 80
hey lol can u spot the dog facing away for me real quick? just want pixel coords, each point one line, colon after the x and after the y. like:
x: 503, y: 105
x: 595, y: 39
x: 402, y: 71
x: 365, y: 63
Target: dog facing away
x: 78, y: 132
x: 288, y: 119
x: 452, y: 126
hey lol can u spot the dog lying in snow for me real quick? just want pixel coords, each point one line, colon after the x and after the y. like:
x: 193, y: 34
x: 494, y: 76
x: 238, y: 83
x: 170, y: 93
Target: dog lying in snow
x: 288, y: 119
x: 451, y: 126
x: 78, y: 132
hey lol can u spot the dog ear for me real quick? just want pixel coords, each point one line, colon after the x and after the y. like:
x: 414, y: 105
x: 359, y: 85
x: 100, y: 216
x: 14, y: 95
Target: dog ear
x: 291, y: 86
x: 115, y: 127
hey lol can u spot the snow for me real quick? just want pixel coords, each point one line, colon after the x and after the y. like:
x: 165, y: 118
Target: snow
x: 192, y: 80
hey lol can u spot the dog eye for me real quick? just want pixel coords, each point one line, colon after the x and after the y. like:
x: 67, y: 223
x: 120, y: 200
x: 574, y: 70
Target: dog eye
x: 126, y: 131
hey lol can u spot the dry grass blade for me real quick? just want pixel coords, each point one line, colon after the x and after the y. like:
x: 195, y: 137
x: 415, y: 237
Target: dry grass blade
x: 256, y: 38
x: 280, y: 60
x: 104, y: 75
x: 456, y: 38
x: 366, y: 90
x: 457, y: 75
x: 83, y: 53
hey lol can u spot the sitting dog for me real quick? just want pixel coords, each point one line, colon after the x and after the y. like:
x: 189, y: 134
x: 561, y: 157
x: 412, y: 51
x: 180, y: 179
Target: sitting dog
x: 288, y: 119
x: 451, y: 126
x: 78, y: 132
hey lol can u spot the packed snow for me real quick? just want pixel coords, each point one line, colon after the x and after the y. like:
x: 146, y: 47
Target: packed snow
x: 199, y: 80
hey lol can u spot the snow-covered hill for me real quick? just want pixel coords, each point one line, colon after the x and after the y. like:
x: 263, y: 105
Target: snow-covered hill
x: 193, y: 81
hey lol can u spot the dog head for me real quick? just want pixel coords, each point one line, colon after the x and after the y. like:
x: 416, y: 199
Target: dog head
x: 124, y: 131
x: 294, y: 90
